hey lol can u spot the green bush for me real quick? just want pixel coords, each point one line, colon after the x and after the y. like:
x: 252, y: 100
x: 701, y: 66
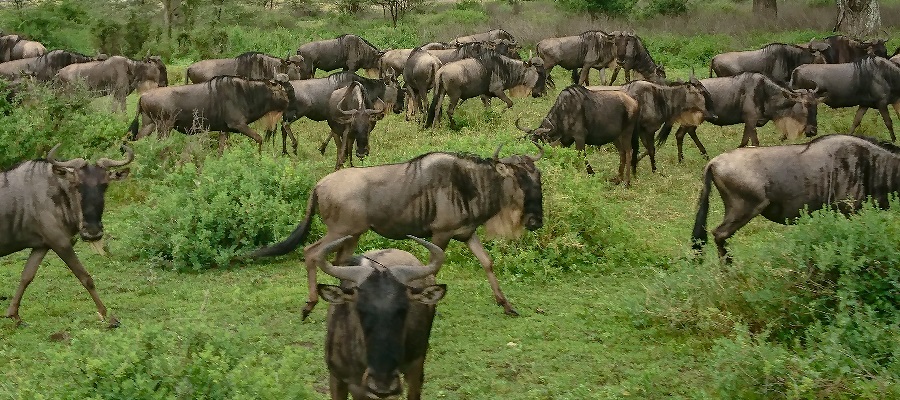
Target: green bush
x: 606, y: 7
x: 666, y: 7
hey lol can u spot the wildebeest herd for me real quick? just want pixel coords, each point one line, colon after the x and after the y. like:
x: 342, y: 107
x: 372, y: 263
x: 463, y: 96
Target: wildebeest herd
x: 380, y: 317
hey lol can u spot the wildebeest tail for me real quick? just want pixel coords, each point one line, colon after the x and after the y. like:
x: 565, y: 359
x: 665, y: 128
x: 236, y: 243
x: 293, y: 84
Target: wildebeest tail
x: 636, y: 139
x: 134, y: 123
x: 435, y: 103
x: 711, y: 67
x: 295, y: 238
x: 186, y: 73
x: 663, y: 134
x: 698, y: 238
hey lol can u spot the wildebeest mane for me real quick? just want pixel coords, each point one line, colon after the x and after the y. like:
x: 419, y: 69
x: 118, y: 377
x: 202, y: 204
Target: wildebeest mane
x: 643, y: 61
x: 789, y: 52
x: 237, y: 90
x: 504, y: 67
x: 586, y: 38
x: 371, y: 87
x: 346, y: 35
x: 888, y: 146
x: 475, y: 158
x: 57, y: 59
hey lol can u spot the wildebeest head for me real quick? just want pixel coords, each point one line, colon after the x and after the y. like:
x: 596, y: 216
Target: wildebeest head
x: 816, y: 50
x: 281, y: 85
x: 90, y: 181
x: 875, y: 47
x: 543, y: 133
x: 522, y: 185
x: 801, y: 118
x: 380, y: 300
x: 148, y: 74
x: 535, y: 76
x: 697, y: 103
x: 360, y: 122
x: 393, y: 94
x: 295, y: 67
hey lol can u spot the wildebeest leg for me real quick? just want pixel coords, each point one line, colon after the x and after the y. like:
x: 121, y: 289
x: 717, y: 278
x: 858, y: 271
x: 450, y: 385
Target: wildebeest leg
x: 502, y: 95
x: 451, y: 108
x: 67, y: 254
x: 584, y: 76
x: 693, y: 132
x: 647, y: 139
x: 860, y: 112
x: 886, y: 116
x: 623, y: 144
x: 679, y: 142
x: 285, y: 132
x: 749, y: 134
x: 614, y: 74
x: 414, y: 376
x: 337, y: 388
x: 481, y: 254
x: 223, y: 139
x: 324, y: 145
x: 245, y: 129
x: 311, y: 255
x: 147, y: 127
x: 31, y: 267
x: 740, y: 208
x: 580, y: 146
x: 339, y: 141
x: 486, y: 101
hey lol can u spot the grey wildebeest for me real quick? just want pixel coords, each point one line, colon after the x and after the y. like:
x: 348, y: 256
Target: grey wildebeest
x: 351, y: 121
x: 312, y: 96
x: 224, y: 104
x: 775, y: 60
x: 393, y: 61
x: 586, y: 117
x: 488, y: 75
x: 44, y: 67
x: 591, y: 49
x: 15, y: 47
x: 250, y: 65
x: 632, y: 55
x: 439, y: 195
x: 873, y: 82
x: 754, y: 100
x: 842, y: 49
x: 491, y: 35
x: 348, y: 52
x: 117, y: 76
x: 379, y: 321
x: 420, y: 76
x: 44, y: 203
x: 779, y: 182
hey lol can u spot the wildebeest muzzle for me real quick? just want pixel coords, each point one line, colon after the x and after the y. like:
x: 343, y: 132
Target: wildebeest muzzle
x: 380, y: 387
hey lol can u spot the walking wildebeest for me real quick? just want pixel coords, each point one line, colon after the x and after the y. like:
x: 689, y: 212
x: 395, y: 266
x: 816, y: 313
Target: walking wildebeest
x: 439, y: 195
x: 351, y: 121
x: 15, y: 47
x: 488, y: 75
x: 44, y: 203
x: 842, y: 49
x: 467, y: 50
x: 379, y: 321
x: 44, y: 67
x: 489, y: 36
x: 117, y: 76
x: 348, y: 52
x: 632, y: 55
x: 873, y: 82
x: 393, y: 61
x: 779, y: 182
x: 250, y: 65
x: 591, y: 49
x: 586, y: 117
x: 312, y: 97
x: 420, y: 76
x: 775, y: 60
x: 754, y: 100
x: 225, y: 104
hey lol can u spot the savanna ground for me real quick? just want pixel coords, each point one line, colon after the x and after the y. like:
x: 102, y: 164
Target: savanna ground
x: 612, y: 302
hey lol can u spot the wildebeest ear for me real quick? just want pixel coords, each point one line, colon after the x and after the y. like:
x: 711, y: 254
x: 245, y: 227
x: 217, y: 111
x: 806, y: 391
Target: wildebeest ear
x: 503, y: 170
x: 336, y: 294
x: 118, y: 174
x: 62, y: 171
x: 428, y: 295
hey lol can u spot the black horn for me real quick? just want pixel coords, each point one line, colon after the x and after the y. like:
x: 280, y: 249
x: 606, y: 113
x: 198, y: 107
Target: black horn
x: 74, y: 163
x: 497, y: 153
x: 520, y: 126
x: 109, y: 163
x: 540, y: 153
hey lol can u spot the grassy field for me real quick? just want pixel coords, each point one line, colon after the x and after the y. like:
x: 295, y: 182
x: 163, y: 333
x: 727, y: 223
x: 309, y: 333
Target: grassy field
x: 594, y: 286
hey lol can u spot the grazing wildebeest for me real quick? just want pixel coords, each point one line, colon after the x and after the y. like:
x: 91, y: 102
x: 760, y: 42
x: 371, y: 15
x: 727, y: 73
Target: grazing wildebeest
x: 842, y: 49
x: 754, y: 100
x: 488, y: 75
x: 312, y: 97
x: 775, y: 61
x: 351, y: 121
x: 632, y: 55
x: 44, y: 203
x: 44, y: 67
x: 591, y: 49
x: 379, y: 321
x: 15, y: 47
x: 680, y: 102
x: 420, y: 76
x: 873, y: 82
x: 348, y: 52
x: 586, y: 117
x: 224, y: 104
x: 117, y: 76
x: 250, y: 65
x: 489, y: 36
x: 779, y: 182
x: 439, y: 195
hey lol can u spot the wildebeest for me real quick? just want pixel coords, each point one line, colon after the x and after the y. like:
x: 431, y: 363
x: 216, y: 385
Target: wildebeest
x: 44, y: 67
x: 873, y: 82
x: 224, y: 104
x: 842, y: 49
x: 439, y: 195
x: 393, y: 61
x: 15, y: 47
x: 348, y: 52
x: 896, y: 57
x: 632, y: 55
x: 754, y: 100
x: 489, y: 36
x: 586, y: 117
x: 44, y: 203
x: 779, y: 182
x: 351, y: 121
x: 250, y: 65
x: 591, y: 49
x: 420, y: 76
x: 312, y: 97
x: 488, y: 75
x: 117, y: 76
x: 379, y: 321
x: 679, y: 102
x: 463, y: 51
x: 775, y: 60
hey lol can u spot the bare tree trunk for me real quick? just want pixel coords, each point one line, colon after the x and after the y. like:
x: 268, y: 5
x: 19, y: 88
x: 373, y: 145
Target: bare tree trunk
x: 765, y: 7
x: 858, y: 18
x: 171, y: 12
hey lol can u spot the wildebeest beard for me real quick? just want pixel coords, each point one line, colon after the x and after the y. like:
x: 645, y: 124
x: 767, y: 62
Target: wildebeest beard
x: 92, y: 201
x: 382, y: 307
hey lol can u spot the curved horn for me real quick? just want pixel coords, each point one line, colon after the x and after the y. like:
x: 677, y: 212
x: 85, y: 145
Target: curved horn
x: 108, y: 163
x: 353, y: 273
x: 497, y: 153
x: 520, y: 126
x: 74, y: 163
x: 345, y: 112
x: 540, y: 154
x: 408, y: 273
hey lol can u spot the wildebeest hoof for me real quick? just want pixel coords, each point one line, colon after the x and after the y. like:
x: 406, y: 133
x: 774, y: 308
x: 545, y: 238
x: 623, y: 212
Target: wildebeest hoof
x: 511, y: 312
x: 308, y: 309
x: 113, y: 323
